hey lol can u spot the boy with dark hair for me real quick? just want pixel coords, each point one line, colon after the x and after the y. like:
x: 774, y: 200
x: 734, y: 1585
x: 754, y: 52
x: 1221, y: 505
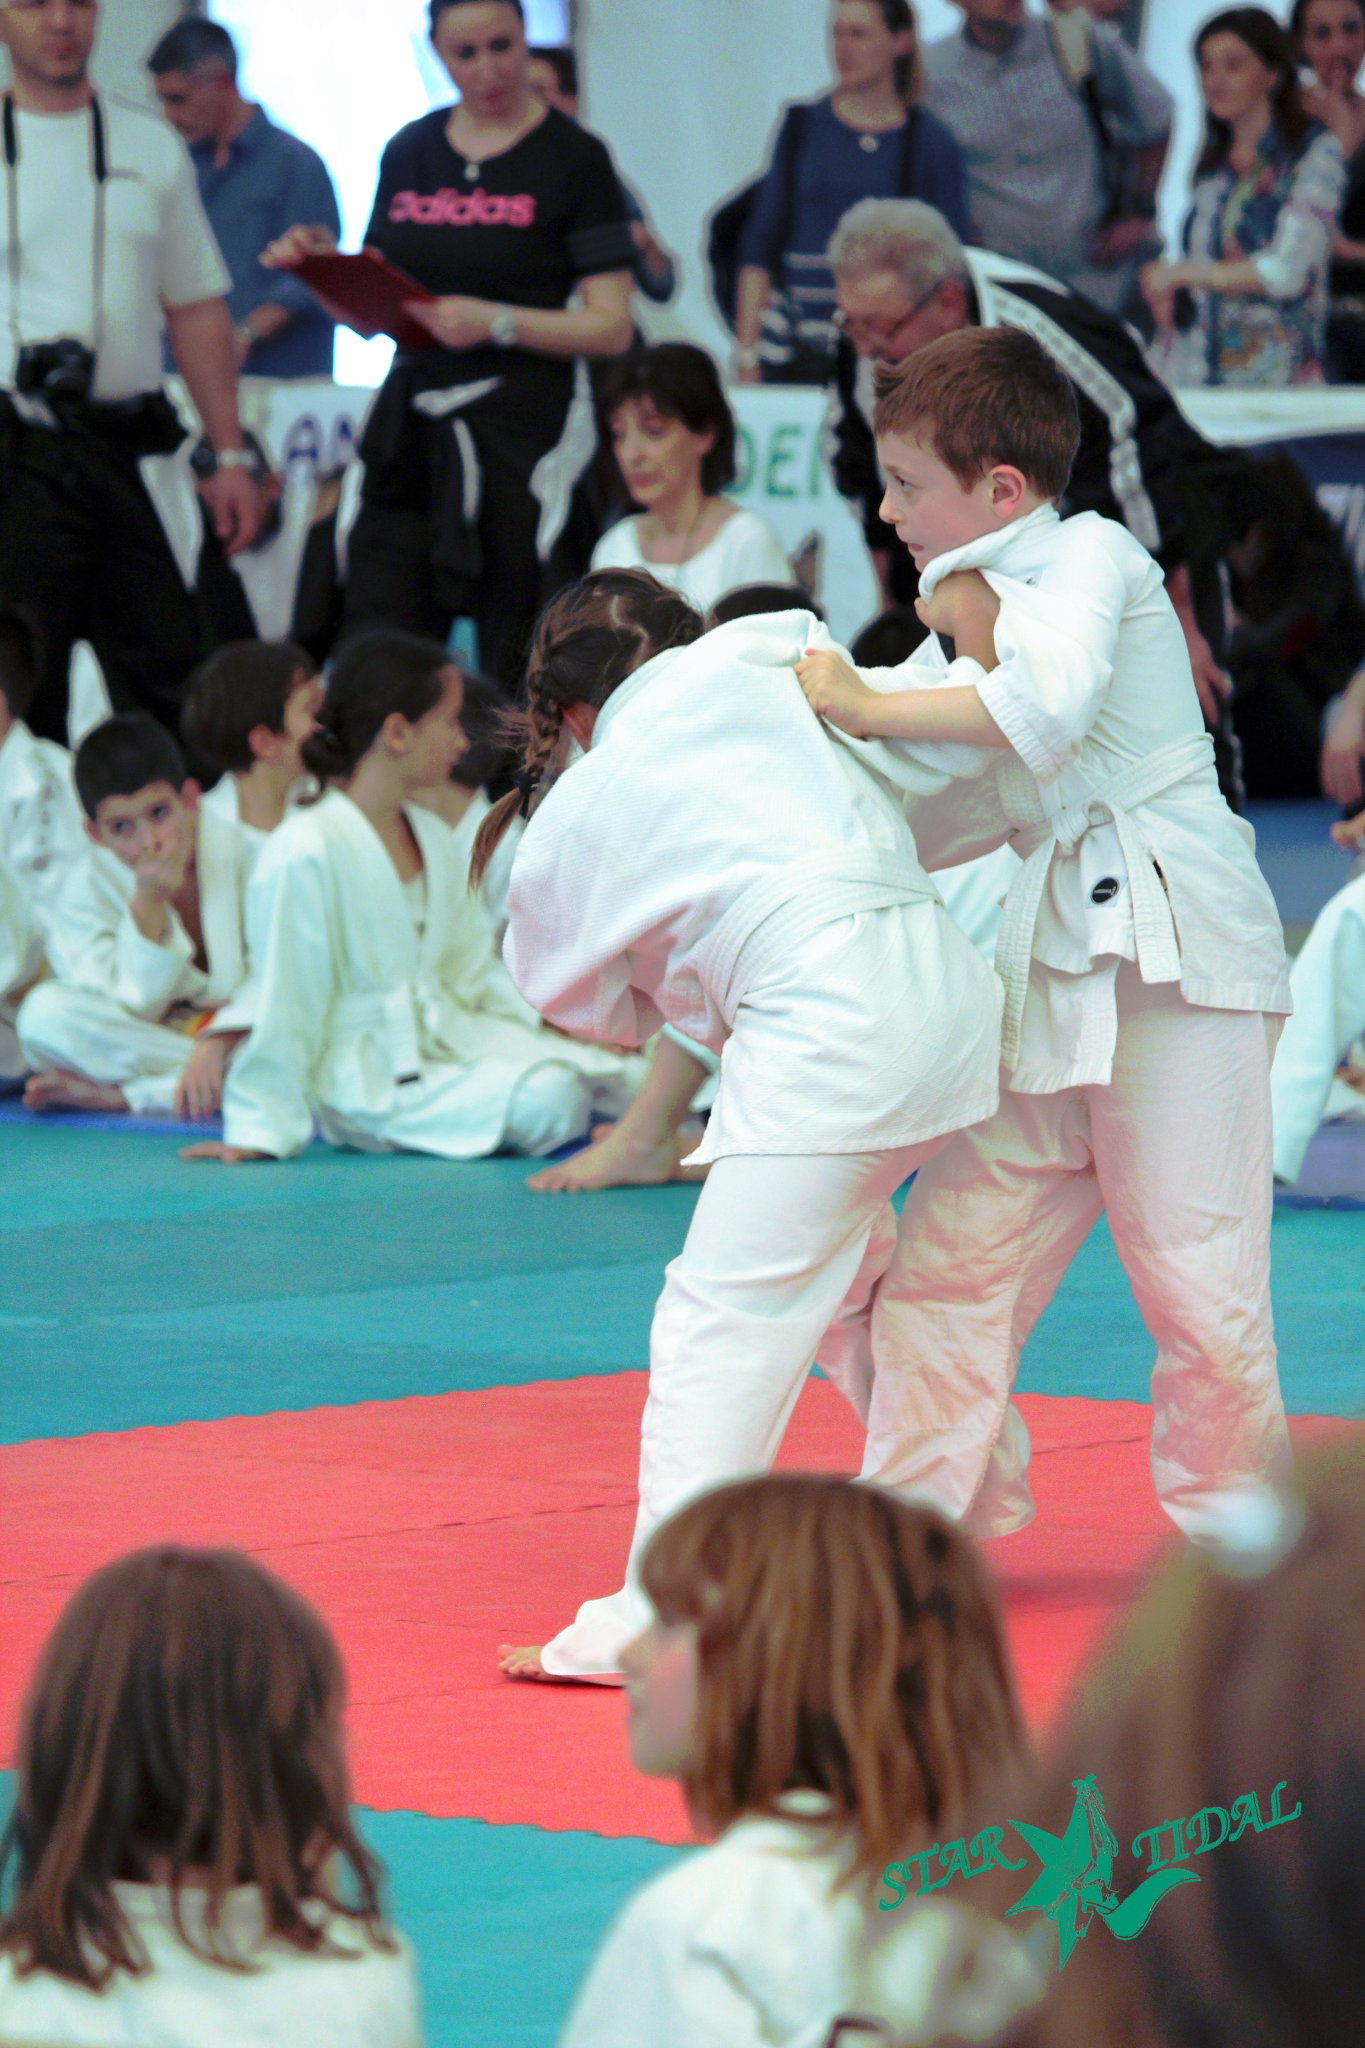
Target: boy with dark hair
x: 247, y: 711
x: 146, y: 941
x: 1141, y: 953
x: 40, y: 820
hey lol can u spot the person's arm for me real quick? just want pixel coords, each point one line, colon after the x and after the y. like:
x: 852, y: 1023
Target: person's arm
x: 205, y: 353
x: 267, y: 1098
x: 963, y: 606
x: 600, y: 325
x: 1344, y: 744
x: 752, y: 291
x: 1213, y: 684
x: 1300, y: 245
x: 307, y: 194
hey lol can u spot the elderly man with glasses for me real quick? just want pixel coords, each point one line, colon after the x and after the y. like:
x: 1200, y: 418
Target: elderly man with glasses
x: 902, y: 279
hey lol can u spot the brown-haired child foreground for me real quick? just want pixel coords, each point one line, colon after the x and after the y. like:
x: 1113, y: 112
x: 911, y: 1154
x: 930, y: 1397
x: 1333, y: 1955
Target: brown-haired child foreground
x: 1223, y: 1737
x: 1140, y: 950
x: 184, y: 1864
x: 826, y: 1678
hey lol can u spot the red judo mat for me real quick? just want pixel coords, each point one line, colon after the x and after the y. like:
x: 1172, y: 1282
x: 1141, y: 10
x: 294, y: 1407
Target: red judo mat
x: 430, y: 1529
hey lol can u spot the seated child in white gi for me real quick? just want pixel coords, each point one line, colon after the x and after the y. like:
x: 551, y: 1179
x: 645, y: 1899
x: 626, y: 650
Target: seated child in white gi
x: 184, y: 1865
x: 247, y: 711
x: 146, y: 940
x: 1141, y: 953
x: 41, y: 829
x: 376, y: 1006
x: 715, y: 860
x: 21, y: 963
x: 1327, y: 982
x: 791, y: 1615
x: 463, y: 799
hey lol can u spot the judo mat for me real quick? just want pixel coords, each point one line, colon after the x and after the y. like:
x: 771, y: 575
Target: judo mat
x: 414, y: 1390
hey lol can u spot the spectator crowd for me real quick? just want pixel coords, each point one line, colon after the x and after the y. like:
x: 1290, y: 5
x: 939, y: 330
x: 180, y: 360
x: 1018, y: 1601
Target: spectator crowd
x: 271, y: 886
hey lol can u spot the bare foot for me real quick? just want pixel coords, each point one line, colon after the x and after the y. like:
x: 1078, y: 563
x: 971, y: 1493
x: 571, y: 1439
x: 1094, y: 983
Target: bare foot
x: 614, y: 1160
x: 58, y: 1089
x: 521, y: 1663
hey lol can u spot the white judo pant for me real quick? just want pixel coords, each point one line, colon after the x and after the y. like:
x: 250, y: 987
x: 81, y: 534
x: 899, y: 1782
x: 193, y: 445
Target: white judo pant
x: 86, y: 1032
x: 1327, y: 982
x: 780, y: 1267
x: 552, y: 1104
x: 1177, y: 1150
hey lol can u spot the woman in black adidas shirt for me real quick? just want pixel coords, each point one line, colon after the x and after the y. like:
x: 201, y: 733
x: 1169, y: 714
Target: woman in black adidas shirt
x: 505, y: 208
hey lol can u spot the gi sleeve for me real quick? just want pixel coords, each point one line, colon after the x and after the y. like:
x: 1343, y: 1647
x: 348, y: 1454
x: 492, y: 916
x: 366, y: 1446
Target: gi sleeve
x: 93, y: 943
x: 1056, y: 642
x: 268, y: 1096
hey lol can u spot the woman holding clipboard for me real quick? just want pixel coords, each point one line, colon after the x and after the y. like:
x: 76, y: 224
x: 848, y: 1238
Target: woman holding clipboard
x: 504, y: 209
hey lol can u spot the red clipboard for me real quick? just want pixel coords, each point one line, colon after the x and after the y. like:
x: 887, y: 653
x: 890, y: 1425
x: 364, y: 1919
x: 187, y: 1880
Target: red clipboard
x: 368, y: 293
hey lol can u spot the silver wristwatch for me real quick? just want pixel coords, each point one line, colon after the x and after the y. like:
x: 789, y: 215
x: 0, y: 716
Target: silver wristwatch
x: 235, y: 458
x: 502, y: 328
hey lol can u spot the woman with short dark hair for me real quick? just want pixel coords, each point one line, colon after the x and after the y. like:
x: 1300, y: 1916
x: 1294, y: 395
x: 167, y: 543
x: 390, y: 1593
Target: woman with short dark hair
x: 507, y: 210
x: 1247, y: 303
x: 673, y: 434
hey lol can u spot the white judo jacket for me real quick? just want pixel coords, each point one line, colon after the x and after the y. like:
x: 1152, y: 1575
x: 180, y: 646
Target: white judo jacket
x: 700, y: 867
x: 94, y: 944
x: 1107, y: 791
x: 346, y: 1006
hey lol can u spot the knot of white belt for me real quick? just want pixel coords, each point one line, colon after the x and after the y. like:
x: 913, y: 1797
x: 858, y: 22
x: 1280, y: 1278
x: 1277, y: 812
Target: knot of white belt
x: 1036, y: 836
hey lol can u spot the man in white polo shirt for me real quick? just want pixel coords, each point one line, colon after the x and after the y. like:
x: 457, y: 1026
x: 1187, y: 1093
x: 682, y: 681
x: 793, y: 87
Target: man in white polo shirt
x: 103, y: 242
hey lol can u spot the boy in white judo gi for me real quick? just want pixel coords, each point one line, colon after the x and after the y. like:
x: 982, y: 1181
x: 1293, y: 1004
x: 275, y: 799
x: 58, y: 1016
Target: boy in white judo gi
x: 145, y: 941
x: 715, y: 862
x: 1328, y: 985
x: 246, y: 712
x: 41, y: 830
x: 1140, y: 950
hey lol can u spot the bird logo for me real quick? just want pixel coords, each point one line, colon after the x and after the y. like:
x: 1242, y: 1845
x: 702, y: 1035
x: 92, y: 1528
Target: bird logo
x: 1075, y: 1882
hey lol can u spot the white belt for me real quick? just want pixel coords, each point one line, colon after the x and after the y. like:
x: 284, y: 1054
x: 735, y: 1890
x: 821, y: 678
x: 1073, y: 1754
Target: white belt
x: 795, y: 901
x: 1036, y: 837
x: 392, y: 1017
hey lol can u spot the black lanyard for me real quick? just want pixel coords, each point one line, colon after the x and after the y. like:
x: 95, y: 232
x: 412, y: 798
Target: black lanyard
x: 99, y: 171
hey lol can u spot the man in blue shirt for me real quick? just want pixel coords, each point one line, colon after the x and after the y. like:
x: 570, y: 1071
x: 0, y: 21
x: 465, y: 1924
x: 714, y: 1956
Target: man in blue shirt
x: 255, y: 181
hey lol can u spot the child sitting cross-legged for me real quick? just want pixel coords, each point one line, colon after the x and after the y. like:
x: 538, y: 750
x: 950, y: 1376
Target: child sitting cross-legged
x: 145, y: 941
x: 184, y: 1869
x: 247, y: 711
x: 826, y: 1678
x: 377, y: 1007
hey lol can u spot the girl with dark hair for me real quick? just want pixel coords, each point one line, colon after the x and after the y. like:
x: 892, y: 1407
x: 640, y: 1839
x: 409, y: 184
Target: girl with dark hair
x: 867, y: 139
x: 376, y: 1005
x: 674, y: 439
x: 1330, y: 35
x: 507, y: 210
x: 790, y: 1615
x: 717, y: 861
x: 1247, y: 303
x: 184, y: 1866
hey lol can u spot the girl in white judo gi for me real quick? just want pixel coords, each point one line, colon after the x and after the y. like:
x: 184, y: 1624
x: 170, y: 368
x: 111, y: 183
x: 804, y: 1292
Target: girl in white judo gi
x: 791, y: 1614
x: 715, y: 861
x: 1140, y: 949
x: 376, y: 1005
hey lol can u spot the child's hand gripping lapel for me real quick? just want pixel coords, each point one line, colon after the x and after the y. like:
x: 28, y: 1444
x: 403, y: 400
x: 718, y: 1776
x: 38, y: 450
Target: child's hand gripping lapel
x: 836, y: 692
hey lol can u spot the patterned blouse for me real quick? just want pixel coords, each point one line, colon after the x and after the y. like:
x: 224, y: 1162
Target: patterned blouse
x: 1281, y: 214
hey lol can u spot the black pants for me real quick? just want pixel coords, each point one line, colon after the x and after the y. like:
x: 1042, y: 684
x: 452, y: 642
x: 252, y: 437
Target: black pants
x: 415, y: 561
x: 82, y: 547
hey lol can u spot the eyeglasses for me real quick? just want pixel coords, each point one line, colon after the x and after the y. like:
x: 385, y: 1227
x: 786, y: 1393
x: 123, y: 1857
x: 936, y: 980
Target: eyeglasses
x: 878, y: 335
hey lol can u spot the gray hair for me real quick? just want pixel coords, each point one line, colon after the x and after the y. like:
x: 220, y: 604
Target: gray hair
x: 902, y: 235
